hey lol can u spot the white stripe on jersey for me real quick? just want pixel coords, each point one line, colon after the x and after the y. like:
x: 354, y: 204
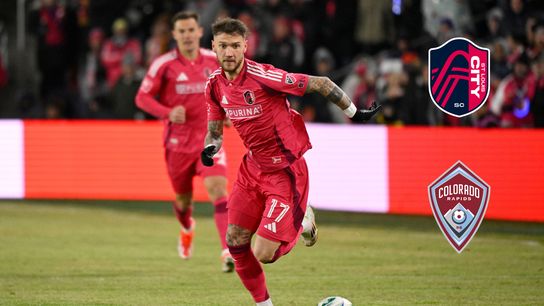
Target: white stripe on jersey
x: 271, y: 73
x: 263, y: 76
x: 161, y: 60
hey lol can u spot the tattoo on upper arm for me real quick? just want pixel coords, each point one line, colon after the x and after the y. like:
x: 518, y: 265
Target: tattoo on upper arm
x: 328, y: 89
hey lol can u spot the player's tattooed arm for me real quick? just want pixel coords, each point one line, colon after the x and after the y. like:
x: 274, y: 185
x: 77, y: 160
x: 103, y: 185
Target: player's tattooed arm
x: 215, y: 134
x: 328, y: 89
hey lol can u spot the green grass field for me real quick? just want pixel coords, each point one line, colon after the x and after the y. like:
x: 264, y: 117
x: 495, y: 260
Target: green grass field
x: 124, y: 253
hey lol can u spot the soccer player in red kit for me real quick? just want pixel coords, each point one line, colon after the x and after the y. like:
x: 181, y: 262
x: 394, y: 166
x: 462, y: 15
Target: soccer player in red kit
x: 270, y: 193
x: 173, y: 90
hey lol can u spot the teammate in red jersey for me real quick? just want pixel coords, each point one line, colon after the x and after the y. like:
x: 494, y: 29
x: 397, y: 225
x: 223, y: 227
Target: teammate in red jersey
x: 173, y: 90
x: 270, y: 194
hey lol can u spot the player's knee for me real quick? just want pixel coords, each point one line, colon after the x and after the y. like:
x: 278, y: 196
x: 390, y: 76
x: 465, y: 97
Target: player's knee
x: 264, y: 256
x: 216, y: 191
x: 237, y: 236
x: 183, y: 201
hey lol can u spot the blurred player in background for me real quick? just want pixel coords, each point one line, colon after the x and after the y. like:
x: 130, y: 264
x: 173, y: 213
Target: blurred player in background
x: 173, y: 90
x: 270, y: 194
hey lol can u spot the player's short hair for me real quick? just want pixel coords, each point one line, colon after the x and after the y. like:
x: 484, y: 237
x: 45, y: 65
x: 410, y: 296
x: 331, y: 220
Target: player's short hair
x: 184, y: 15
x: 229, y: 26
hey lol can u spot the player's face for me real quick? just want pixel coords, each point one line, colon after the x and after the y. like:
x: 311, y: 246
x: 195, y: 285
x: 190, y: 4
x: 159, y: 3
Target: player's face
x: 230, y: 49
x: 187, y: 34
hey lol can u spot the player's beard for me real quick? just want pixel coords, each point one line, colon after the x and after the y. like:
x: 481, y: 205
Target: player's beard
x: 237, y: 65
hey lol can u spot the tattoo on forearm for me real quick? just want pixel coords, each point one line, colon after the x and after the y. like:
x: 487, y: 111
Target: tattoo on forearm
x: 215, y: 134
x: 325, y: 87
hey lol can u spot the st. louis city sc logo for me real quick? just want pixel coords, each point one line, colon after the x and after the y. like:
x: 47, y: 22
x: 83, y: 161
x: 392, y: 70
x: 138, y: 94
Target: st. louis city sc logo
x: 459, y: 200
x: 459, y: 76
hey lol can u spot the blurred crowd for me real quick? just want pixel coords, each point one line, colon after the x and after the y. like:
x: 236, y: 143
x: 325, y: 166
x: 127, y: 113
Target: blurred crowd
x: 91, y: 54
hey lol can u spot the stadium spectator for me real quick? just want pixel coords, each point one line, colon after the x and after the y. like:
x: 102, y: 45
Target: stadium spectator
x: 537, y: 107
x: 92, y: 78
x: 515, y: 17
x: 374, y: 30
x: 457, y: 11
x: 159, y: 42
x: 512, y: 101
x: 271, y: 192
x: 51, y: 24
x: 3, y: 73
x: 494, y: 26
x: 315, y: 108
x: 116, y: 48
x: 284, y: 49
x: 173, y: 91
x: 123, y: 93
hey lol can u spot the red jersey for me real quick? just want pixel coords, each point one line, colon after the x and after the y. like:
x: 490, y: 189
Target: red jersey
x: 256, y: 103
x: 173, y: 80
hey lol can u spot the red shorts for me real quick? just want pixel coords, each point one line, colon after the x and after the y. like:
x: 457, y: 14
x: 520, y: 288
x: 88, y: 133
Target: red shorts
x: 270, y: 203
x: 182, y: 167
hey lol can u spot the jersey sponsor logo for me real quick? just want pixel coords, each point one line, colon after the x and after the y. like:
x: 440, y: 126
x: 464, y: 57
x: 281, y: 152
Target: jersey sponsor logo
x: 224, y: 100
x: 191, y: 88
x: 459, y: 76
x: 182, y: 77
x: 244, y: 112
x: 249, y: 97
x: 271, y: 227
x: 290, y: 79
x: 459, y: 200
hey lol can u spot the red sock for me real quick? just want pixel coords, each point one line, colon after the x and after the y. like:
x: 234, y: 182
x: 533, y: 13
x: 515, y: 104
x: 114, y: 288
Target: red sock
x: 220, y: 216
x: 184, y: 217
x: 250, y: 271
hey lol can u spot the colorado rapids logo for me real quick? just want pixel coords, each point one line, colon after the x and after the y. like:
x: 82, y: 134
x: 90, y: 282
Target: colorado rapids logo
x: 459, y: 76
x: 459, y: 200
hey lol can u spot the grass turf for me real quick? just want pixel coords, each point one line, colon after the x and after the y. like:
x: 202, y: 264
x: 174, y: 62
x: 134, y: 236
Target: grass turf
x: 124, y: 253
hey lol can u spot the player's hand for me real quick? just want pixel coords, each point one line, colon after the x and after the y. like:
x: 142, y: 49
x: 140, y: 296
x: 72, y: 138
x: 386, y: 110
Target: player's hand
x: 177, y: 114
x: 363, y: 115
x: 207, y: 155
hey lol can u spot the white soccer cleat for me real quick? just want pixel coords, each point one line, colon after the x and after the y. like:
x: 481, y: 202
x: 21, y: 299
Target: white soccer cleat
x: 309, y: 232
x: 227, y: 262
x: 265, y: 303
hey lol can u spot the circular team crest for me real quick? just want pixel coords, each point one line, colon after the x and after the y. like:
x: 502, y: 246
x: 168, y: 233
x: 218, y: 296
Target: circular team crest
x: 459, y: 76
x: 249, y: 97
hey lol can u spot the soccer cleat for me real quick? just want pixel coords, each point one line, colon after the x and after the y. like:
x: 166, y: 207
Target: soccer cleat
x: 309, y: 232
x: 227, y: 262
x: 185, y: 243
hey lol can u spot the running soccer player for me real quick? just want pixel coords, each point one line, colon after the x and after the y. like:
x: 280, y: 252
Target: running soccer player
x: 270, y: 194
x: 173, y: 90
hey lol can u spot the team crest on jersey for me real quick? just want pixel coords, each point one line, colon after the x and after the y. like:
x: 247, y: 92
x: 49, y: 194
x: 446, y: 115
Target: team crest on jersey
x: 207, y: 72
x: 290, y: 79
x: 249, y: 97
x: 459, y: 200
x: 459, y: 76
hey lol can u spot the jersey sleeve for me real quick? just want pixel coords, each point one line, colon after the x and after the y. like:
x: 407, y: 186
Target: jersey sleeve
x: 215, y: 111
x: 148, y: 91
x: 280, y: 80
